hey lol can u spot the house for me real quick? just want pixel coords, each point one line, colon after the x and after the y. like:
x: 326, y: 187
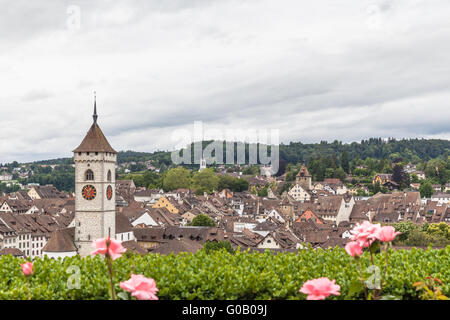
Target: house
x: 309, y: 215
x: 61, y: 244
x: 437, y: 188
x: 447, y: 187
x: 148, y: 195
x: 177, y: 246
x: 441, y: 197
x: 6, y: 176
x: 298, y: 193
x: 145, y: 220
x: 124, y: 229
x: 45, y: 192
x: 165, y: 202
x: 12, y: 251
x: 382, y: 178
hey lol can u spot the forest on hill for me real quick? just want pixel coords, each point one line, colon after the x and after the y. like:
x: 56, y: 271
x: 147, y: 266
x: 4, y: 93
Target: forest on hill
x: 405, y: 150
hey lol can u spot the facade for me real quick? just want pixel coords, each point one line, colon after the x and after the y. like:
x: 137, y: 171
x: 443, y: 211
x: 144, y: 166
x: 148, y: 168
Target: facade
x: 95, y: 166
x: 304, y: 179
x: 299, y: 193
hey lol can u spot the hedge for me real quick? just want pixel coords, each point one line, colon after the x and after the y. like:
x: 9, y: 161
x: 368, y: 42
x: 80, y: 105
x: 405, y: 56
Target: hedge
x: 223, y: 275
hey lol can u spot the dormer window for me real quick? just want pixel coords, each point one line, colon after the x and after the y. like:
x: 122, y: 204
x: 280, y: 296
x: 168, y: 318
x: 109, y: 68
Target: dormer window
x: 89, y: 175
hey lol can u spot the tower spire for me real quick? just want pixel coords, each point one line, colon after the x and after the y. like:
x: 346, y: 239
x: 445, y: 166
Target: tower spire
x: 95, y: 108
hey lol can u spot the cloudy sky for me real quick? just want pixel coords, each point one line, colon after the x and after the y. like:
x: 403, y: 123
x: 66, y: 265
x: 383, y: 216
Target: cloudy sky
x: 314, y: 70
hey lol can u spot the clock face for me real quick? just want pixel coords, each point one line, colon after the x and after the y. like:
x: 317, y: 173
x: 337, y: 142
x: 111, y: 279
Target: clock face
x: 89, y: 192
x: 109, y: 192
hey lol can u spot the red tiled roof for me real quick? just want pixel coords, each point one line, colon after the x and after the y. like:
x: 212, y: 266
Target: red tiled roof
x: 95, y: 141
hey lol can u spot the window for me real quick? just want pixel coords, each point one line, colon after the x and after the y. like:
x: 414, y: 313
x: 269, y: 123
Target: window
x: 89, y: 175
x: 109, y: 175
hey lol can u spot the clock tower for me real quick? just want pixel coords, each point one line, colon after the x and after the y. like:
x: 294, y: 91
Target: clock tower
x: 95, y: 173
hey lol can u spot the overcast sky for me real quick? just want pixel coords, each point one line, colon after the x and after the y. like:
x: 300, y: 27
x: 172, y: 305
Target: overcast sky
x: 314, y: 70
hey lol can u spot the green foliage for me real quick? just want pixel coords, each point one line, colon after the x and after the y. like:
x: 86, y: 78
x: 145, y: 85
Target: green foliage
x: 148, y: 179
x: 232, y: 183
x: 426, y: 189
x: 210, y: 246
x: 62, y: 177
x: 205, y: 181
x: 405, y: 228
x: 439, y: 230
x: 219, y: 274
x: 177, y: 178
x: 202, y: 220
x: 438, y: 234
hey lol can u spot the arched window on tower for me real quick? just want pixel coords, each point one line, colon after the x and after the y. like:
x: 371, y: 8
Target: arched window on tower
x: 109, y: 175
x: 89, y: 175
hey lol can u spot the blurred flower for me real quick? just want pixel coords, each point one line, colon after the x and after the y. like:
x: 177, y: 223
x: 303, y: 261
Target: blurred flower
x: 140, y: 287
x: 365, y: 233
x: 353, y: 248
x: 319, y: 289
x: 108, y: 246
x: 27, y: 268
x: 387, y: 234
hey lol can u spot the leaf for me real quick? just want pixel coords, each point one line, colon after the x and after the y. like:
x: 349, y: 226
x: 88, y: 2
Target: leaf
x: 355, y: 288
x: 123, y: 296
x: 390, y: 297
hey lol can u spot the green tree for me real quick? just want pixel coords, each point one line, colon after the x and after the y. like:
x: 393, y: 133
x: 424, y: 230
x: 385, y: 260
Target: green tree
x: 340, y: 174
x: 439, y: 230
x: 426, y: 189
x: 210, y: 246
x: 177, y: 178
x: 205, y: 181
x: 345, y: 164
x: 202, y: 220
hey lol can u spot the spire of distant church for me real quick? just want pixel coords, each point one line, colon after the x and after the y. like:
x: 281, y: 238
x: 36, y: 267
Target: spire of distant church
x: 95, y: 108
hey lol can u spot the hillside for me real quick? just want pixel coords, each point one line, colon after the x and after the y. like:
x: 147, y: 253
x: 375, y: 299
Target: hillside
x: 413, y: 150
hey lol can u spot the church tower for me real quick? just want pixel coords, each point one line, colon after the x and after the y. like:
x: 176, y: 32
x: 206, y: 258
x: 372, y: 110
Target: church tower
x: 95, y: 204
x: 304, y: 179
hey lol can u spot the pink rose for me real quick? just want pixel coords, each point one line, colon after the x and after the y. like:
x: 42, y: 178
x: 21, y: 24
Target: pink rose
x: 365, y: 233
x: 319, y: 289
x: 108, y: 246
x: 353, y: 248
x: 140, y: 287
x: 387, y: 234
x: 27, y: 268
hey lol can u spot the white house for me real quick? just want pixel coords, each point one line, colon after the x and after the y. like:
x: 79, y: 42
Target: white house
x: 299, y: 193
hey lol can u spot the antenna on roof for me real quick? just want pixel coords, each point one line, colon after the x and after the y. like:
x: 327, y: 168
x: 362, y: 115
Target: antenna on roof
x: 95, y: 108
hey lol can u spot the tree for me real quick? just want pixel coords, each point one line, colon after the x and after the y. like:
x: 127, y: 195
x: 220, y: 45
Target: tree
x: 439, y: 230
x: 176, y: 178
x: 202, y: 220
x: 205, y: 181
x: 340, y: 174
x: 400, y: 176
x: 210, y: 246
x: 232, y: 183
x: 345, y: 164
x: 405, y: 228
x: 426, y: 189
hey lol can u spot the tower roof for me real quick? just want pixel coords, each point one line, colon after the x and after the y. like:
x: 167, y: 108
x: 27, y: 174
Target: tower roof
x: 303, y: 172
x: 95, y: 140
